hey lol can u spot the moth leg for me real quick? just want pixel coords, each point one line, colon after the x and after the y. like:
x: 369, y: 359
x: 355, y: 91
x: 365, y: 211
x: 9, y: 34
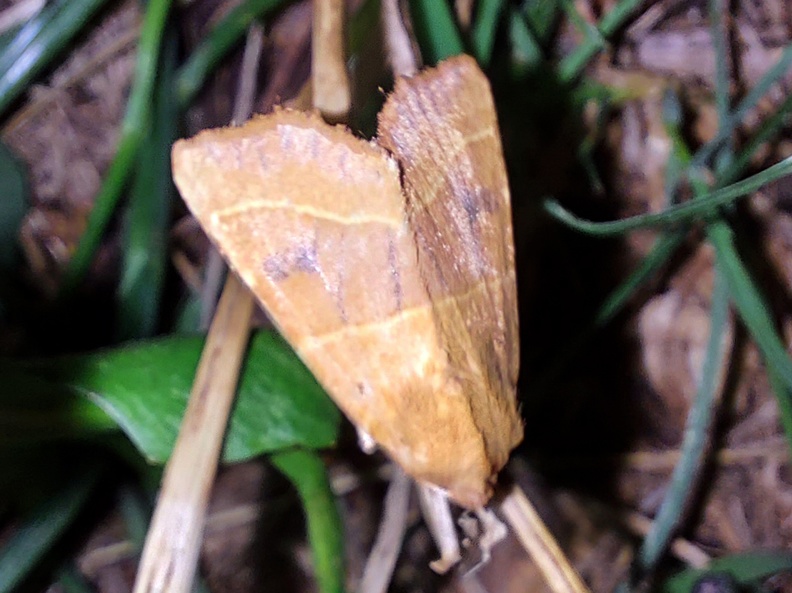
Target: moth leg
x: 494, y: 531
x: 483, y: 530
x: 367, y: 444
x: 437, y: 514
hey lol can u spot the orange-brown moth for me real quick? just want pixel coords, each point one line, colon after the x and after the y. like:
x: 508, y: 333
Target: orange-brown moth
x: 388, y: 265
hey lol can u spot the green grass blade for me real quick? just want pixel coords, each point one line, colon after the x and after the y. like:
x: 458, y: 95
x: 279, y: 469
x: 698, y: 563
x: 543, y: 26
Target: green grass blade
x: 701, y: 415
x: 71, y: 580
x: 747, y: 569
x: 768, y: 128
x: 136, y: 512
x: 14, y: 190
x: 661, y: 252
x: 360, y: 26
x: 729, y: 124
x: 595, y: 37
x: 618, y: 16
x: 783, y: 393
x: 526, y: 51
x: 41, y: 44
x: 781, y: 387
x: 436, y: 30
x: 725, y: 155
x: 488, y: 13
x: 223, y: 38
x: 680, y: 156
x: 541, y: 18
x: 136, y: 120
x: 754, y: 313
x: 593, y: 42
x: 697, y: 430
x: 43, y: 528
x: 325, y: 531
x: 683, y: 213
x: 14, y: 44
x: 113, y: 184
x: 147, y: 217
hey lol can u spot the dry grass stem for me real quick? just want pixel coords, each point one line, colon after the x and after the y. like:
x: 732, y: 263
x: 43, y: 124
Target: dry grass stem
x: 401, y: 48
x: 540, y: 544
x: 382, y: 559
x: 666, y: 460
x: 246, y: 89
x: 174, y: 539
x: 464, y: 13
x: 243, y: 106
x: 331, y: 93
x: 681, y: 548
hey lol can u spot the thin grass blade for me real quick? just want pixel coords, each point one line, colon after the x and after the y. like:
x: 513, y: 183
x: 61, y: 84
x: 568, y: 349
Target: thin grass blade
x: 729, y: 124
x: 307, y: 473
x: 43, y: 528
x: 525, y: 49
x: 595, y: 38
x: 436, y: 30
x: 755, y: 315
x: 66, y: 20
x: 226, y: 35
x: 697, y: 431
x: 136, y: 121
x: 146, y: 233
x: 683, y: 213
x: 488, y: 16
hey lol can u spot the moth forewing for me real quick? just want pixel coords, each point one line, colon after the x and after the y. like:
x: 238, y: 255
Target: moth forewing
x: 400, y: 299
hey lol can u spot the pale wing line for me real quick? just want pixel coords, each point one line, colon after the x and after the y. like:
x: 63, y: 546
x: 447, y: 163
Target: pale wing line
x: 439, y: 180
x: 313, y: 211
x: 314, y: 342
x: 354, y: 219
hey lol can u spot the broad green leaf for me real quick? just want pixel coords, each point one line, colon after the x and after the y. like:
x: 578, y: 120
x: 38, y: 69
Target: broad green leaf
x: 744, y: 568
x: 36, y: 410
x: 144, y: 388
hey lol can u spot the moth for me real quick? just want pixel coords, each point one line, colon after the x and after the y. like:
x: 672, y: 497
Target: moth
x: 388, y: 265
